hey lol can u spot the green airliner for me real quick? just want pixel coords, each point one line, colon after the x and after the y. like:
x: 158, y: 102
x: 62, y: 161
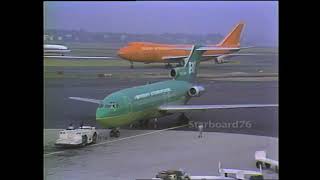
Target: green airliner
x: 159, y: 99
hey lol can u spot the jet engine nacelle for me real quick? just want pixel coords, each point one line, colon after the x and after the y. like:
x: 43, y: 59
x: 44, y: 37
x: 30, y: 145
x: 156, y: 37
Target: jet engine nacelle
x: 196, y: 91
x: 219, y: 60
x: 177, y: 72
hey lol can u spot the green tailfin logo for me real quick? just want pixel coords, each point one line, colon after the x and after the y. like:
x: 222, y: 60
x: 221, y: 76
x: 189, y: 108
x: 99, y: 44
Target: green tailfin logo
x: 192, y: 67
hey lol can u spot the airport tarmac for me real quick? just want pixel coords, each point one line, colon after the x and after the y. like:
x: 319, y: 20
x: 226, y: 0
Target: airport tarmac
x: 144, y: 156
x: 231, y: 136
x: 61, y: 111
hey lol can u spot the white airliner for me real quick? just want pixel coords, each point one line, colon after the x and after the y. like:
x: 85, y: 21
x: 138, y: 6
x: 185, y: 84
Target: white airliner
x: 58, y: 52
x: 54, y: 48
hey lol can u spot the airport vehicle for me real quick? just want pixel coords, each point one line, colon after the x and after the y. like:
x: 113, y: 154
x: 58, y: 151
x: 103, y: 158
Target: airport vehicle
x: 81, y: 136
x: 142, y: 103
x: 264, y: 162
x: 240, y: 174
x: 148, y: 52
x: 230, y: 174
x: 58, y: 52
x: 173, y: 175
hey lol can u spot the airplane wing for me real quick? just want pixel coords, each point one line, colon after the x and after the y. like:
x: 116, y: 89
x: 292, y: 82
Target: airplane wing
x: 172, y: 59
x: 86, y: 100
x: 206, y: 48
x: 228, y: 56
x: 78, y: 57
x: 249, y: 54
x: 177, y: 59
x: 184, y: 108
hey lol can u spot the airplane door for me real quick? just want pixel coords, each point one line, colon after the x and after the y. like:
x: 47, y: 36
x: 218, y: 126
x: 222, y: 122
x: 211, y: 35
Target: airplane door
x: 128, y: 103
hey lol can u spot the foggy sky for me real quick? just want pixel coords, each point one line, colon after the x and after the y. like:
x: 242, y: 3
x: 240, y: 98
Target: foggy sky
x: 204, y: 17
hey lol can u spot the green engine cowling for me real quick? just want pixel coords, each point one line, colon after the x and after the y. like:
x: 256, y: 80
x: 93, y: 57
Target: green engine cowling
x: 179, y: 72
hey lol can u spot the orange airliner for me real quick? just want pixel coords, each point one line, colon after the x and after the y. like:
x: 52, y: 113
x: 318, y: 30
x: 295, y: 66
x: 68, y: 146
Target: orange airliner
x: 148, y: 52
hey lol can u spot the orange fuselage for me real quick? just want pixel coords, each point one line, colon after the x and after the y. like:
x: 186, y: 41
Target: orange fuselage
x: 152, y: 52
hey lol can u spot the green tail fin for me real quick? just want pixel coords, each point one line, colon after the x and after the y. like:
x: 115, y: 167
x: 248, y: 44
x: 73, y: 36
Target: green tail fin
x: 190, y: 69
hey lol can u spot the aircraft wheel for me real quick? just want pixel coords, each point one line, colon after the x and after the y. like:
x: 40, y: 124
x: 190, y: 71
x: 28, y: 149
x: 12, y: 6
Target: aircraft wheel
x: 111, y: 134
x: 267, y: 165
x: 183, y: 119
x: 258, y: 164
x: 146, y: 123
x: 181, y: 64
x: 117, y: 133
x: 168, y: 66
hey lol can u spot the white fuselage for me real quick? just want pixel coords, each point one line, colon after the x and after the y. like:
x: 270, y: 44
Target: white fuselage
x: 53, y: 48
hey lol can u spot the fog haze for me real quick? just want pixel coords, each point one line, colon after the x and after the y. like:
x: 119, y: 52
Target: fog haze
x: 160, y: 17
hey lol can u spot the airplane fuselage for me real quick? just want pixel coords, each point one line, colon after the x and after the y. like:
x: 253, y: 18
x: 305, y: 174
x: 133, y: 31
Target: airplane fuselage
x: 141, y: 102
x: 148, y: 52
x: 152, y: 52
x: 55, y: 49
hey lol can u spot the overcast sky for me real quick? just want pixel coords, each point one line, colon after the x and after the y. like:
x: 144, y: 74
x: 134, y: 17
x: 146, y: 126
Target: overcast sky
x: 204, y: 17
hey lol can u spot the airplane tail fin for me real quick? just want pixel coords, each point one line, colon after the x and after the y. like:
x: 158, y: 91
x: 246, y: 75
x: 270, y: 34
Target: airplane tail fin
x: 233, y: 38
x: 190, y: 69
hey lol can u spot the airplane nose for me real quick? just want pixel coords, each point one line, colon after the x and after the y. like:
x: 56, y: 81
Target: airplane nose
x: 121, y: 52
x: 124, y: 53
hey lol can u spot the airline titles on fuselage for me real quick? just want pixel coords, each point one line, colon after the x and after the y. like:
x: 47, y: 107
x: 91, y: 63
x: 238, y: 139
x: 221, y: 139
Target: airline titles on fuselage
x: 154, y: 48
x: 153, y: 93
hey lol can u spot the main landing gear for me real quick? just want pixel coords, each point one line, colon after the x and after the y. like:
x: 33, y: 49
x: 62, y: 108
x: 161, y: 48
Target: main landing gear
x: 144, y: 123
x: 114, y: 133
x: 183, y: 119
x: 168, y: 66
x: 131, y: 65
x: 180, y: 64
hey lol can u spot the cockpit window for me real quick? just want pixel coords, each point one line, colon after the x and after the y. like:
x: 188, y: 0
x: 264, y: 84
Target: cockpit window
x: 112, y: 105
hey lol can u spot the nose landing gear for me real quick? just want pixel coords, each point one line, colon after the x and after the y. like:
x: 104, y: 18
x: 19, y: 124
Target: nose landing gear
x: 114, y: 133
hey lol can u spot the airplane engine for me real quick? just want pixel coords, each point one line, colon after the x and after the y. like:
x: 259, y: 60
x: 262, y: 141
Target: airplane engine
x: 177, y: 72
x: 196, y: 91
x: 219, y: 60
